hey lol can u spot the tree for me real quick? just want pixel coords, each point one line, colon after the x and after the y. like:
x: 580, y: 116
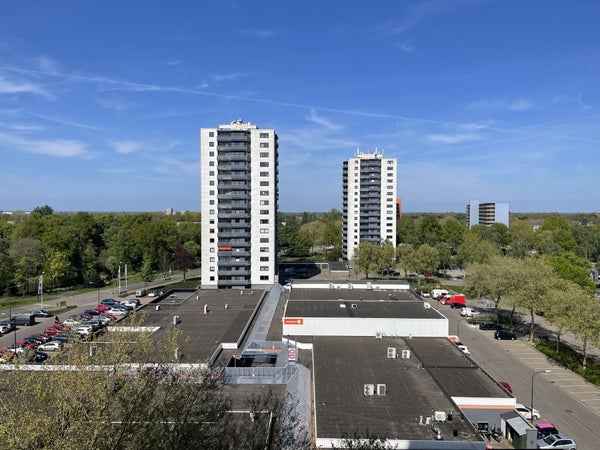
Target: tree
x: 522, y: 238
x: 405, y: 253
x: 453, y: 233
x: 586, y: 323
x: 386, y: 258
x: 430, y: 231
x: 427, y: 258
x: 563, y: 307
x: 314, y: 231
x: 406, y: 231
x: 366, y: 256
x: 147, y: 273
x: 475, y: 249
x: 182, y: 259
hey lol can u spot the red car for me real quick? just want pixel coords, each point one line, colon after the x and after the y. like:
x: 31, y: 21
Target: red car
x: 51, y: 331
x: 109, y: 315
x: 100, y: 307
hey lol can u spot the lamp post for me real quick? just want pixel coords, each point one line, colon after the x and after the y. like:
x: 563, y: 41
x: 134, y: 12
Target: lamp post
x: 532, y: 377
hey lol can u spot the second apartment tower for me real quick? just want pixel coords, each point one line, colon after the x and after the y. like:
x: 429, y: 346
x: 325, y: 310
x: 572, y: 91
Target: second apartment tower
x: 369, y: 201
x: 239, y: 206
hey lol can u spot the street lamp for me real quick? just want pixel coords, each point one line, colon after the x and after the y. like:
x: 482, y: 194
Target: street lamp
x: 532, y: 376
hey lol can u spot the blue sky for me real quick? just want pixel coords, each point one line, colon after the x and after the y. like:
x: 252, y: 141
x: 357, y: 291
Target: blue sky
x: 101, y: 102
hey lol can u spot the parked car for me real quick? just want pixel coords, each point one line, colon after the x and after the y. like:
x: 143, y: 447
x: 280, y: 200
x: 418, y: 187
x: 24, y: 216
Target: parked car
x: 462, y: 347
x: 84, y: 331
x: 37, y: 356
x: 42, y: 337
x: 92, y: 312
x: 24, y: 319
x: 506, y: 386
x: 425, y: 294
x: 504, y: 335
x: 119, y: 312
x: 561, y: 441
x: 41, y: 313
x: 71, y: 322
x: 467, y: 312
x: 51, y: 346
x: 62, y: 337
x: 545, y: 429
x: 490, y: 326
x: 51, y: 331
x: 108, y: 301
x: 525, y: 412
x: 5, y: 328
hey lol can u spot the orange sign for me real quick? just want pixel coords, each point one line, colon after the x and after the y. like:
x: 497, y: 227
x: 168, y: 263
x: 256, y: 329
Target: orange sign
x: 293, y: 321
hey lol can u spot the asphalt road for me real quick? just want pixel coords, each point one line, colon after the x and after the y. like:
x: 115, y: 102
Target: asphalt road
x: 561, y: 396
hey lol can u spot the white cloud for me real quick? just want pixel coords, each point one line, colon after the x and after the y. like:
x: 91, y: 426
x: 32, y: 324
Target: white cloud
x: 261, y: 34
x: 126, y: 147
x: 47, y: 64
x: 62, y: 148
x: 9, y: 87
x: 454, y: 138
x: 405, y: 47
x: 227, y: 76
x: 323, y: 121
x: 115, y: 104
x: 520, y: 104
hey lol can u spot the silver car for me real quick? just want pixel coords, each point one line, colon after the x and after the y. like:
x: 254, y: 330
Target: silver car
x: 561, y: 441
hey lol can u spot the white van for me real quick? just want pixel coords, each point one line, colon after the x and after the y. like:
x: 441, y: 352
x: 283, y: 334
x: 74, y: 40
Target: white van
x: 437, y: 293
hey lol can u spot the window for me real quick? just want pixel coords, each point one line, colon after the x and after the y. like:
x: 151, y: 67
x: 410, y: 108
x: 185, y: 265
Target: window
x: 212, y: 212
x: 264, y: 268
x: 264, y: 174
x: 212, y: 259
x: 212, y: 250
x: 264, y: 164
x: 264, y: 145
x: 264, y: 249
x: 212, y: 278
x: 264, y: 211
x: 211, y: 173
x: 211, y: 134
x: 264, y: 183
x: 264, y: 240
x: 211, y: 153
x: 264, y: 259
x: 264, y: 231
x: 211, y: 183
x: 212, y: 269
x: 211, y: 192
x: 212, y: 221
x: 264, y: 135
x: 211, y: 202
x: 211, y: 144
x: 264, y: 202
x: 264, y: 154
x: 212, y: 240
x: 264, y: 193
x: 264, y: 221
x: 264, y: 278
x: 212, y: 230
x: 211, y: 163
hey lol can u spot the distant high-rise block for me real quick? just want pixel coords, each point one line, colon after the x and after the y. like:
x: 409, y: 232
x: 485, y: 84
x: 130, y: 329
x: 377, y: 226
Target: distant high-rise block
x: 239, y: 164
x: 369, y: 201
x: 487, y: 213
x: 398, y: 208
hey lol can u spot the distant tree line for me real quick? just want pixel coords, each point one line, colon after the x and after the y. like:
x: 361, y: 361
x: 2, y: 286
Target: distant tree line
x: 85, y: 249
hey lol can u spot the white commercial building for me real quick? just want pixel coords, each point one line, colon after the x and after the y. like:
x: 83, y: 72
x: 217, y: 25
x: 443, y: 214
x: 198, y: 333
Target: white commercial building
x: 369, y: 201
x: 239, y: 166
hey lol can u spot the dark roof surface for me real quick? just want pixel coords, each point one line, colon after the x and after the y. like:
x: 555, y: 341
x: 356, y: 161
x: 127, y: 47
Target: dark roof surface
x: 343, y: 365
x: 204, y: 332
x: 407, y: 309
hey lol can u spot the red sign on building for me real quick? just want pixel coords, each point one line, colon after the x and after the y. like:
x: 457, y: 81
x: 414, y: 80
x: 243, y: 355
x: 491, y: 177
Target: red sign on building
x: 290, y: 321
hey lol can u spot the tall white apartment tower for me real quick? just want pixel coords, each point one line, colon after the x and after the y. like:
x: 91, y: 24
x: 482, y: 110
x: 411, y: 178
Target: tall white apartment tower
x: 369, y: 200
x: 239, y: 206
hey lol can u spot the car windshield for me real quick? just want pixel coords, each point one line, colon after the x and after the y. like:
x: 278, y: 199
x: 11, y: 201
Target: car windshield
x: 550, y: 439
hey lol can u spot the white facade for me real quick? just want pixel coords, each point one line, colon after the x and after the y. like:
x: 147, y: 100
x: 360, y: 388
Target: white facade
x: 239, y: 199
x: 369, y: 200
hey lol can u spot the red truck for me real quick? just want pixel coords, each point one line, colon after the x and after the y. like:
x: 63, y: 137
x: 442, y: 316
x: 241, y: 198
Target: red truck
x: 457, y: 301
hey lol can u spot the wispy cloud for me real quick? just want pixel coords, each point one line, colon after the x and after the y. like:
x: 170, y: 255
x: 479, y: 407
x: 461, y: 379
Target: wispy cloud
x: 566, y: 99
x: 64, y: 121
x: 406, y: 47
x: 10, y: 87
x: 323, y: 121
x: 261, y: 34
x: 454, y: 138
x: 227, y: 76
x: 419, y: 12
x: 61, y: 148
x: 115, y: 104
x: 173, y: 62
x: 127, y: 146
x: 520, y: 104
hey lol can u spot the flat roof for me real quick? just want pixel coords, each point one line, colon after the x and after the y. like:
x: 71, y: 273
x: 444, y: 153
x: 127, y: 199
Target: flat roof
x: 351, y: 294
x: 204, y: 332
x: 361, y: 309
x: 342, y: 367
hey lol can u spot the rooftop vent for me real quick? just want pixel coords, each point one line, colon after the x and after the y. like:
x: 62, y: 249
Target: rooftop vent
x: 391, y: 353
x: 440, y: 416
